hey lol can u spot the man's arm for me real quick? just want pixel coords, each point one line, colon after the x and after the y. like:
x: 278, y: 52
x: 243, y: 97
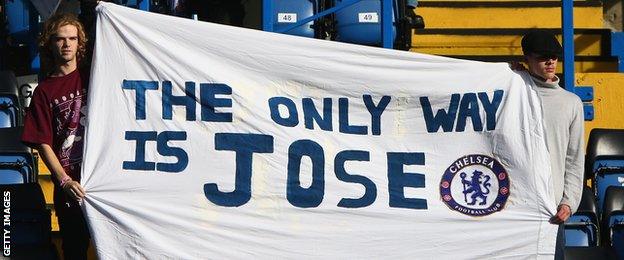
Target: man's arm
x: 574, y: 167
x: 71, y: 187
x: 575, y: 161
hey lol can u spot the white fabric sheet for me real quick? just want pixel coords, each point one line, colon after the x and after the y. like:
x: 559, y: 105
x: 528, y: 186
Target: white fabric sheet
x: 157, y: 205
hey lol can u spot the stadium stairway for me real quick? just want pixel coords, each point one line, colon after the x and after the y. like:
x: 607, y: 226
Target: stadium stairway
x: 491, y: 30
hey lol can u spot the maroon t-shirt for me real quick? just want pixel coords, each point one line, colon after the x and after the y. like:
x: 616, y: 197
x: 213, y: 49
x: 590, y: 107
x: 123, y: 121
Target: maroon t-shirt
x: 56, y: 117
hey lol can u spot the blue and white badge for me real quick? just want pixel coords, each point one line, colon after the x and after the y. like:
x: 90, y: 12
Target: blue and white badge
x: 475, y: 185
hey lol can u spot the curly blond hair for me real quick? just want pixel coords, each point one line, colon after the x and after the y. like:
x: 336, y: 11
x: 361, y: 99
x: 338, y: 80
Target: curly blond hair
x: 50, y: 28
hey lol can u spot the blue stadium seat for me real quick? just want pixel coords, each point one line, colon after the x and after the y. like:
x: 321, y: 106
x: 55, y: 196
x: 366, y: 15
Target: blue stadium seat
x: 617, y: 236
x: 17, y: 164
x: 581, y: 229
x: 10, y: 108
x: 30, y: 226
x: 128, y: 3
x: 17, y: 13
x: 604, y: 163
x: 360, y: 23
x: 608, y: 173
x: 613, y: 220
x: 12, y: 172
x: 288, y: 12
x: 8, y: 112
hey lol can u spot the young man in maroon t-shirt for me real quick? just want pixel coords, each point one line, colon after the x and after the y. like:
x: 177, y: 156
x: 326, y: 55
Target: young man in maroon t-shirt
x: 54, y: 125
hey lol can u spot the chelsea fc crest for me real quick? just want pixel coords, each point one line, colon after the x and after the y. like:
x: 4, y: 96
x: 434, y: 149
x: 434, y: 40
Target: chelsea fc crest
x: 475, y: 185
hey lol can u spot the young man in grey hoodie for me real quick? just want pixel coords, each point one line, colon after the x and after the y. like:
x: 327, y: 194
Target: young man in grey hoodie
x: 563, y: 124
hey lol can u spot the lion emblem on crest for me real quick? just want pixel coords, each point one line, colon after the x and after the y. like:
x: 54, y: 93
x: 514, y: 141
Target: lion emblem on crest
x: 474, y: 186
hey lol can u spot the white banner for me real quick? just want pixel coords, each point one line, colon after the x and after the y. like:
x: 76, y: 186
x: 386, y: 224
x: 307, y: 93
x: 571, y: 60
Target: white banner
x: 209, y: 141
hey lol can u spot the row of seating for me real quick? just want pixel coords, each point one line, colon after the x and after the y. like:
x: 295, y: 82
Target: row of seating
x: 599, y: 220
x: 17, y: 164
x: 30, y: 227
x: 358, y: 23
x: 10, y: 106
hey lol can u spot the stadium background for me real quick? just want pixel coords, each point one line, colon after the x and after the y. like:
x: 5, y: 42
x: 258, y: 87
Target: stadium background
x: 488, y: 30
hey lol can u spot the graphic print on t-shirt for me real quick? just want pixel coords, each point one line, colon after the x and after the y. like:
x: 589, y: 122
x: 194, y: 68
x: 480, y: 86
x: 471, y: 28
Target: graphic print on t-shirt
x: 70, y: 112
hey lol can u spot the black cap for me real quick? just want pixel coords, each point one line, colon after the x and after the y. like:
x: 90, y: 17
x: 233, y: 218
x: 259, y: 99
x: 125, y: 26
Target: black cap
x: 541, y: 43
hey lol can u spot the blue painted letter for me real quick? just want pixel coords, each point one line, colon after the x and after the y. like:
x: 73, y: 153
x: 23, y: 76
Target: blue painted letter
x: 370, y: 190
x: 343, y: 119
x: 376, y: 111
x: 292, y: 119
x: 245, y: 145
x: 188, y: 100
x: 140, y: 86
x: 166, y: 150
x: 491, y: 107
x: 469, y: 107
x: 209, y: 101
x: 139, y: 162
x: 398, y: 179
x: 296, y: 195
x: 311, y: 114
x: 442, y: 118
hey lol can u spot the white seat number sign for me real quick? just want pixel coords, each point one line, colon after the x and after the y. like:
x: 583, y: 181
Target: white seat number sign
x: 286, y: 17
x: 368, y: 18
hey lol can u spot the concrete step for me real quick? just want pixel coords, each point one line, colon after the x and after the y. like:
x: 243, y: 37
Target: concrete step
x: 507, y: 14
x: 460, y: 41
